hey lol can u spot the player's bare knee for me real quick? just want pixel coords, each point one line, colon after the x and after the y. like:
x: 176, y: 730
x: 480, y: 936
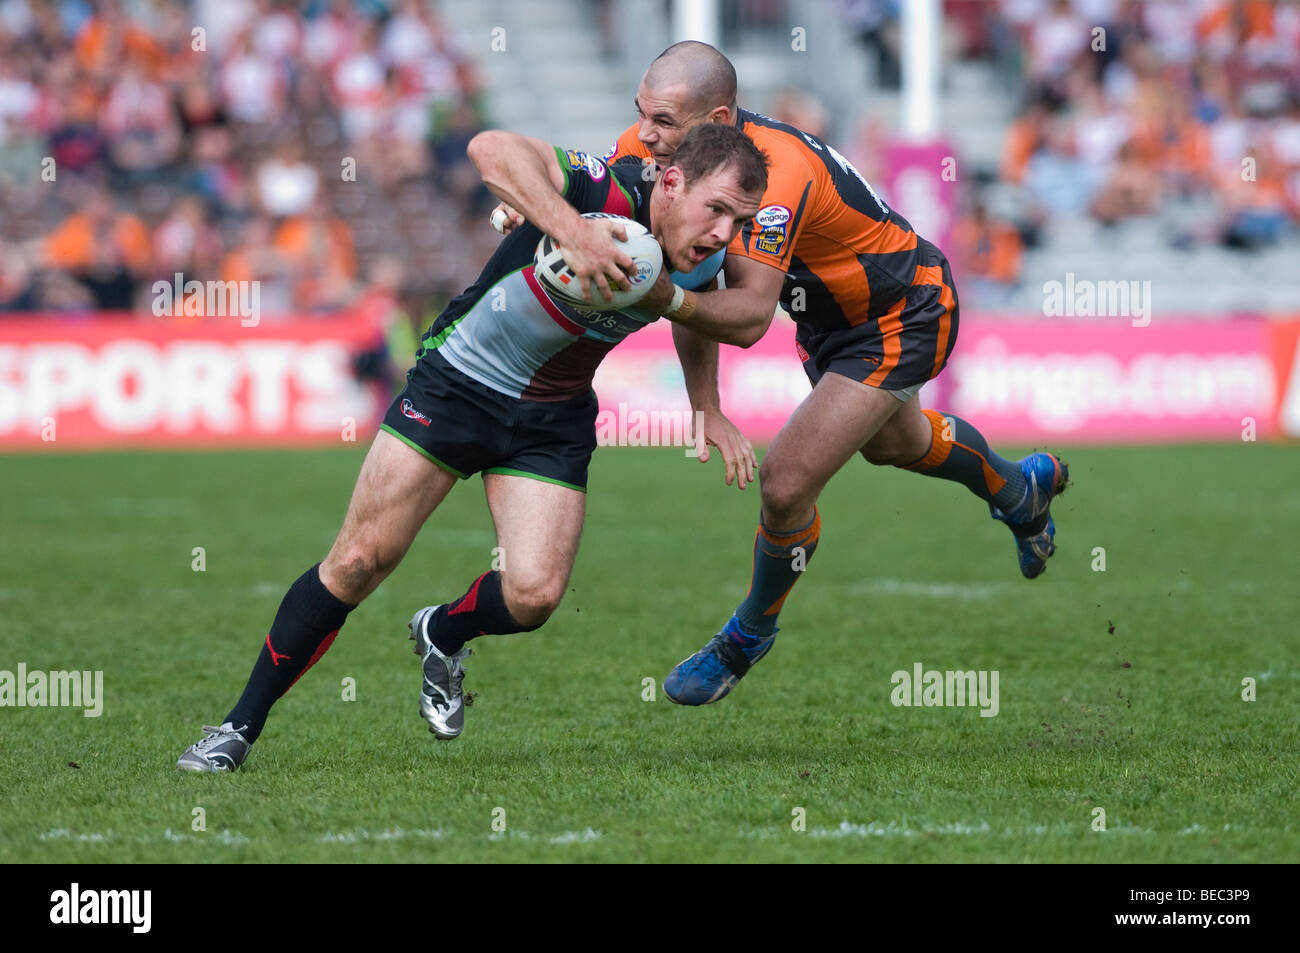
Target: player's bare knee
x: 884, y: 455
x: 356, y: 572
x: 784, y: 497
x: 530, y: 601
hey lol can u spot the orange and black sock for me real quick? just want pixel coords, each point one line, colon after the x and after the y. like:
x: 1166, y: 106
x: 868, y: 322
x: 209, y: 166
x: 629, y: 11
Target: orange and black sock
x: 959, y: 452
x: 779, y: 561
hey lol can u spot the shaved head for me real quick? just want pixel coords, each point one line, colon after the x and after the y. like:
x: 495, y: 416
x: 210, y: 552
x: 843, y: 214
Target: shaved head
x: 698, y: 67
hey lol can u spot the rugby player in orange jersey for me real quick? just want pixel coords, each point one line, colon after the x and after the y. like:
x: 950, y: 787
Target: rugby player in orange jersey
x: 876, y: 317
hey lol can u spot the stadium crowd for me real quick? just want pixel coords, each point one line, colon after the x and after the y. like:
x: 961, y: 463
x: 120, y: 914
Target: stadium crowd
x: 317, y: 147
x: 1187, y: 111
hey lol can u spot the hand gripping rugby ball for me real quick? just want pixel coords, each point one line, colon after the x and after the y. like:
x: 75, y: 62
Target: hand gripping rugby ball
x: 558, y: 279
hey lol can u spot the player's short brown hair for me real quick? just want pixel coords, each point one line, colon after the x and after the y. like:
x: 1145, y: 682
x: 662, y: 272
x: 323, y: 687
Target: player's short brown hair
x: 711, y: 146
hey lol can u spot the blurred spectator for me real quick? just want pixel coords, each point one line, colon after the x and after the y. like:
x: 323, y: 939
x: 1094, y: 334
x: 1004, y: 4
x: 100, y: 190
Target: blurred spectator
x: 876, y: 24
x: 139, y: 124
x: 253, y: 84
x: 255, y: 258
x: 1055, y: 177
x: 185, y: 241
x: 393, y: 337
x: 1024, y: 137
x: 989, y: 250
x: 17, y: 285
x: 801, y: 110
x: 104, y: 250
x: 76, y: 142
x: 327, y: 37
x: 1255, y: 201
x: 109, y: 40
x: 18, y: 95
x: 222, y: 21
x: 1100, y: 129
x: 359, y: 85
x: 100, y: 236
x: 454, y: 173
x: 277, y: 32
x: 410, y: 36
x: 317, y: 247
x: 1132, y: 188
x: 198, y: 107
x: 1056, y: 39
x: 399, y: 144
x: 286, y: 184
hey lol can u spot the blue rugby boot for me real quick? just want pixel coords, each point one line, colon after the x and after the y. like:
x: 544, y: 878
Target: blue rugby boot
x: 1031, y: 522
x: 714, y: 670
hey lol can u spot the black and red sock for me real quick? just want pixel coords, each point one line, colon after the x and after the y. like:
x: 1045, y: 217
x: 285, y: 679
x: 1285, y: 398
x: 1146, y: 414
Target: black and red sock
x: 309, y: 618
x: 480, y: 611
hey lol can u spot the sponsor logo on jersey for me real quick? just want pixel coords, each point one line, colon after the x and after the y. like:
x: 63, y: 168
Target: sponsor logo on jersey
x: 408, y: 410
x: 772, y: 221
x: 581, y: 161
x: 772, y: 215
x: 771, y: 240
x: 613, y: 151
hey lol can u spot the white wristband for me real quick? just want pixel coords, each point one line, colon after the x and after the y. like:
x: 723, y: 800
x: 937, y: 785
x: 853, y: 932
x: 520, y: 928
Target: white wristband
x: 678, y: 297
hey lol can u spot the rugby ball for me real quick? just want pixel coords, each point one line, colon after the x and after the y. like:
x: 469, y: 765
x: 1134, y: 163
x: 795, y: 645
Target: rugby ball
x: 559, y: 280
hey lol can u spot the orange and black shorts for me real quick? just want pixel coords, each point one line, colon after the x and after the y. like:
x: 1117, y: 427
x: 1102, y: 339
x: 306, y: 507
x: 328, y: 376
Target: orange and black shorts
x: 904, y: 347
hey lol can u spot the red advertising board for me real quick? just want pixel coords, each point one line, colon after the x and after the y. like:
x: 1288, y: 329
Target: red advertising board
x: 113, y: 382
x: 119, y: 382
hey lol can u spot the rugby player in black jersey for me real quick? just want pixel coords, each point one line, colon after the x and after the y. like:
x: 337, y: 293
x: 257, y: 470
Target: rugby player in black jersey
x: 506, y: 394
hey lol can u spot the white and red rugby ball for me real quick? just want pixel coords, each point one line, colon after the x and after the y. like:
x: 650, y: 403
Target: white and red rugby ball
x: 643, y: 248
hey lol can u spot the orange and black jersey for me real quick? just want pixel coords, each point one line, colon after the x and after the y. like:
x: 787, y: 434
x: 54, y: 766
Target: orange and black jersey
x: 848, y: 257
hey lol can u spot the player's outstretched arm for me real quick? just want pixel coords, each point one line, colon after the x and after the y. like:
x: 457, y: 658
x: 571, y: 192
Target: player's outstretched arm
x: 526, y: 175
x: 738, y: 314
x: 699, y: 357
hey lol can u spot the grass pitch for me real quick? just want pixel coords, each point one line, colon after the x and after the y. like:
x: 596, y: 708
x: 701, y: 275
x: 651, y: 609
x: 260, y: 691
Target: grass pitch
x: 1119, y: 689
